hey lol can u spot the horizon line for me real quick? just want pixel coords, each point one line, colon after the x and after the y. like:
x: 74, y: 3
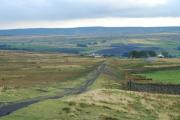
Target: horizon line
x: 25, y: 28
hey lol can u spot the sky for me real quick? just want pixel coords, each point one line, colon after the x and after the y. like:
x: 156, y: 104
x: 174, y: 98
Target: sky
x: 84, y: 13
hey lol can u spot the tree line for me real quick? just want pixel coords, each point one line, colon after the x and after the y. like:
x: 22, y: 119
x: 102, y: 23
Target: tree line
x: 146, y: 54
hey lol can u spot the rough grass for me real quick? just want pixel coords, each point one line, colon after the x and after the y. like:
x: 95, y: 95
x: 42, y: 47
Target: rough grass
x: 103, y: 101
x: 28, y: 75
x: 107, y: 82
x: 104, y: 104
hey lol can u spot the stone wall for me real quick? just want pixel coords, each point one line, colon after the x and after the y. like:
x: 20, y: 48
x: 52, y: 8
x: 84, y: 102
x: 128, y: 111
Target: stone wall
x: 154, y: 88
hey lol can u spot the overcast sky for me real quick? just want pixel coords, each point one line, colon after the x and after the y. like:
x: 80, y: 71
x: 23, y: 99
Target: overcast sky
x: 78, y: 13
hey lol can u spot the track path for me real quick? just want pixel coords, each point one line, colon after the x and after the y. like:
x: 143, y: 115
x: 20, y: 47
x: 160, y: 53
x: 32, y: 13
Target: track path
x: 12, y: 107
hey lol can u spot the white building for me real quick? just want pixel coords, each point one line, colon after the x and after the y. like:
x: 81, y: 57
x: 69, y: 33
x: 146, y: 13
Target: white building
x: 160, y: 56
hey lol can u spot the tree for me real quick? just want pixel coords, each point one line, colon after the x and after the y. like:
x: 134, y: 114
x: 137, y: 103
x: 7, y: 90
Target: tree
x: 142, y: 54
x: 133, y: 54
x: 82, y: 45
x: 165, y: 54
x: 152, y: 53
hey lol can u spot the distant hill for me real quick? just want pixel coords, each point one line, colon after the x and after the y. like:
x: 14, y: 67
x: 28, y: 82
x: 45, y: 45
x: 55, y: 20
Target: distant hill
x: 105, y: 31
x: 109, y: 41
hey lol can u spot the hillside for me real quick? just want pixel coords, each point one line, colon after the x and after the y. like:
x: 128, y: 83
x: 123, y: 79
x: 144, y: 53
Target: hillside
x: 105, y: 31
x: 100, y: 40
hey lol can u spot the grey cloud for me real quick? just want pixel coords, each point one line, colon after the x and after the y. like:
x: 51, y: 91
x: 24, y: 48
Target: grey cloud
x: 38, y: 10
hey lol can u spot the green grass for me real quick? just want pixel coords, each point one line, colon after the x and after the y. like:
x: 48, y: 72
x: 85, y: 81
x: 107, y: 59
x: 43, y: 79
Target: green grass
x: 164, y: 76
x: 103, y: 104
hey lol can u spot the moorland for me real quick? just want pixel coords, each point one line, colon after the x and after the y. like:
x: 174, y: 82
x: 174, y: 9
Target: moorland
x: 87, y: 74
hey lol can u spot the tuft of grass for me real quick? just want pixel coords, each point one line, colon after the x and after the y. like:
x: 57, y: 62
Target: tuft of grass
x: 66, y: 109
x: 83, y: 105
x: 109, y: 118
x: 72, y: 103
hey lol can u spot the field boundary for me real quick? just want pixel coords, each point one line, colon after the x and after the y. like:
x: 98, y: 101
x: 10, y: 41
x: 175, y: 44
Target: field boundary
x: 153, y: 88
x: 152, y: 69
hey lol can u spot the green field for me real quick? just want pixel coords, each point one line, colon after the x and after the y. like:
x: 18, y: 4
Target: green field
x: 32, y: 75
x: 164, y: 76
x: 117, y: 45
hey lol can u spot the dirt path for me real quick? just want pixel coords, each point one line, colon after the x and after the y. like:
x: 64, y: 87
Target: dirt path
x: 8, y: 109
